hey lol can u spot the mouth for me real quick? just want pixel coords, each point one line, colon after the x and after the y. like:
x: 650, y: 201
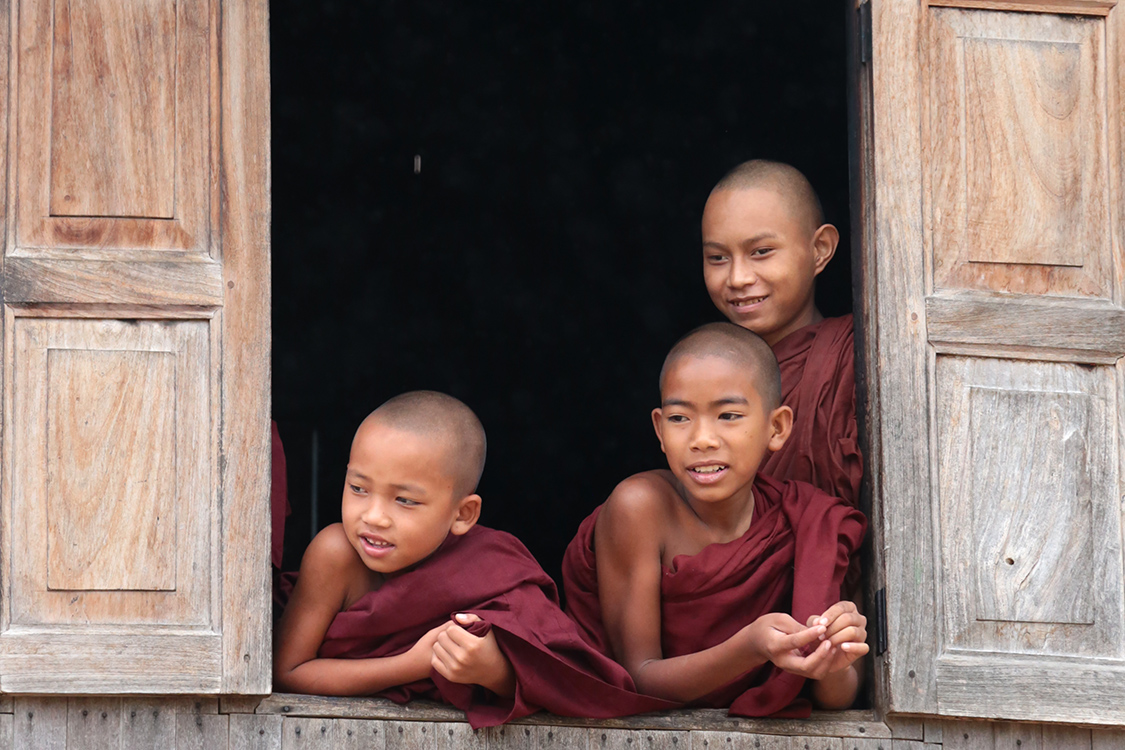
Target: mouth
x: 707, y: 473
x: 375, y: 545
x: 745, y: 304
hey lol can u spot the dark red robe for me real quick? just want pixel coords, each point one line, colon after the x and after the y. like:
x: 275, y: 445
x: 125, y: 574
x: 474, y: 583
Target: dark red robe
x: 492, y: 575
x: 792, y: 559
x: 818, y: 382
x: 279, y: 496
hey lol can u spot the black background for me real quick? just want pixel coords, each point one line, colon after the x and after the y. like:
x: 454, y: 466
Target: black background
x: 547, y: 254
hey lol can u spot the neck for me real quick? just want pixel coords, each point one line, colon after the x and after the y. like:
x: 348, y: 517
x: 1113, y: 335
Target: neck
x: 806, y: 318
x: 727, y: 519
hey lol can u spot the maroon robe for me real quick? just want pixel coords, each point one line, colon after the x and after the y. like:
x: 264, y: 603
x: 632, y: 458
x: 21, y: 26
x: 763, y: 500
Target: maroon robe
x: 279, y: 496
x: 818, y: 382
x: 792, y: 559
x: 492, y: 575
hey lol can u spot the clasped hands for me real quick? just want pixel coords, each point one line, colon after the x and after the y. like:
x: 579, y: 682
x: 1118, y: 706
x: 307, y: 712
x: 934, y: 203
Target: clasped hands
x: 459, y: 656
x: 841, y: 632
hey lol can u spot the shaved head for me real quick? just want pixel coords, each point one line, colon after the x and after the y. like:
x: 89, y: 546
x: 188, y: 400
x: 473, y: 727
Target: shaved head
x: 733, y: 344
x: 785, y: 180
x: 447, y: 421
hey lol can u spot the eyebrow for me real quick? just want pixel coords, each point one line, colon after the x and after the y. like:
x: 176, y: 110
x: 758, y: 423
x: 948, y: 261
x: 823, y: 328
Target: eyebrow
x: 767, y: 235
x: 739, y: 400
x: 413, y: 489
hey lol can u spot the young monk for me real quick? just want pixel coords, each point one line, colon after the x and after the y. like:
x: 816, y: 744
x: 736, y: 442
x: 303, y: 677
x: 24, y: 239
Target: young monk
x: 713, y: 584
x: 409, y: 597
x: 764, y: 243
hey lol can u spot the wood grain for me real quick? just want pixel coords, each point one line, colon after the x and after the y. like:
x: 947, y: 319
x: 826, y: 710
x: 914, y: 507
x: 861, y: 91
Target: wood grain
x: 93, y: 723
x: 253, y: 732
x: 1068, y: 7
x: 201, y: 732
x: 898, y: 284
x: 1034, y: 324
x: 39, y: 724
x: 113, y: 109
x: 112, y: 282
x: 114, y: 146
x: 245, y: 365
x: 1017, y: 140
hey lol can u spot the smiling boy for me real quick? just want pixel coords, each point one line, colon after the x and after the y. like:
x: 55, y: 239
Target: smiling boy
x: 764, y: 243
x: 712, y: 584
x: 407, y: 596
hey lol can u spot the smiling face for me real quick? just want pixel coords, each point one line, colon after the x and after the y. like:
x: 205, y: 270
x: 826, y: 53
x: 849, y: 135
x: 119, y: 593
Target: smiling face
x: 401, y: 497
x: 714, y: 429
x: 761, y: 257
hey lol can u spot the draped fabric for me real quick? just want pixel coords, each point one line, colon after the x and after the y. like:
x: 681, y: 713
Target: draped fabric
x: 492, y: 575
x: 792, y: 559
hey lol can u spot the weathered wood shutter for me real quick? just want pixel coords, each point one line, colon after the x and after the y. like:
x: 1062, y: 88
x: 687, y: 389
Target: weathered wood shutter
x: 135, y: 454
x: 994, y: 287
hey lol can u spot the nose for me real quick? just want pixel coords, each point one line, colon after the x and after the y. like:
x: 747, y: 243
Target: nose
x: 742, y: 272
x: 375, y: 514
x: 704, y: 437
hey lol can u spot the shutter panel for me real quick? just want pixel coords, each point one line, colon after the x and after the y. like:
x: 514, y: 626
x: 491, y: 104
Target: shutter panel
x: 996, y: 287
x: 135, y: 287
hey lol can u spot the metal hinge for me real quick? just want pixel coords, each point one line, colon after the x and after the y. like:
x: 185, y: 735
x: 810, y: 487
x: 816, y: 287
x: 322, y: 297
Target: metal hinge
x: 864, y: 24
x: 880, y: 622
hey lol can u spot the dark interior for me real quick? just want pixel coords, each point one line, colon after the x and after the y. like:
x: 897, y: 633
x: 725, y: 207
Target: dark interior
x: 546, y: 255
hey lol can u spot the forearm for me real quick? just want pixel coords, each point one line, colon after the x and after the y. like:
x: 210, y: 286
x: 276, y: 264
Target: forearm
x: 350, y: 676
x: 692, y: 676
x: 503, y: 682
x: 838, y: 690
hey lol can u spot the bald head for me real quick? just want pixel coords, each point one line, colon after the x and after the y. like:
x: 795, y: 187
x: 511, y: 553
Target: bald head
x: 446, y: 420
x: 733, y: 344
x: 783, y: 179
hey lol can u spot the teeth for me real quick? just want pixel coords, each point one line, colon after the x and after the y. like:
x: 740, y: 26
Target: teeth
x: 749, y: 301
x: 708, y: 469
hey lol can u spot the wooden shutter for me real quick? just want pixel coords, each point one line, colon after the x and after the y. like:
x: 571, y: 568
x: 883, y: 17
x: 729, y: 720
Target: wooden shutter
x: 996, y: 334
x: 135, y: 284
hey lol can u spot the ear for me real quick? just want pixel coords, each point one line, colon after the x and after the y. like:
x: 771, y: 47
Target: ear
x: 468, y: 513
x: 781, y: 424
x: 824, y: 242
x: 658, y: 425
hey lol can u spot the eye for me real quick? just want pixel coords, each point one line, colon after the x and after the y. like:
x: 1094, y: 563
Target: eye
x: 730, y: 416
x: 677, y: 418
x: 758, y: 252
x: 406, y: 502
x: 356, y: 489
x: 714, y: 259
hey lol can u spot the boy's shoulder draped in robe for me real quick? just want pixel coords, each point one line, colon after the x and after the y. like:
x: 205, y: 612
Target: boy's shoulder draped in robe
x: 792, y: 559
x: 492, y: 575
x: 818, y: 382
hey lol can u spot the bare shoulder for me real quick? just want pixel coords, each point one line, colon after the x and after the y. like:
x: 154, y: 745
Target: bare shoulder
x: 639, y: 510
x: 333, y: 566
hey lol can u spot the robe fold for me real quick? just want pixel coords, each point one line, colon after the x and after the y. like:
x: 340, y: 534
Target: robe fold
x: 492, y: 575
x: 818, y: 382
x: 792, y: 559
x: 279, y: 496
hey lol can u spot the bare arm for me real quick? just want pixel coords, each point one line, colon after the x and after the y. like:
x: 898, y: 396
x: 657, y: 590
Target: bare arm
x: 329, y: 567
x: 846, y: 630
x: 627, y: 541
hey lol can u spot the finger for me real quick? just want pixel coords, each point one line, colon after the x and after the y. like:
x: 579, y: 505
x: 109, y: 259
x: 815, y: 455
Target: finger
x: 813, y: 665
x: 812, y: 621
x: 855, y: 650
x: 449, y: 646
x: 466, y: 618
x: 440, y: 662
x: 846, y: 620
x: 836, y: 610
x: 849, y: 635
x: 846, y: 631
x: 800, y: 639
x: 461, y: 637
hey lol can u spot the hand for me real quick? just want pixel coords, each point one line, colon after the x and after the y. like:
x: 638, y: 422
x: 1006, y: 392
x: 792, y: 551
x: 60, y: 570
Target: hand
x: 783, y: 641
x: 459, y: 656
x: 846, y: 629
x: 421, y: 653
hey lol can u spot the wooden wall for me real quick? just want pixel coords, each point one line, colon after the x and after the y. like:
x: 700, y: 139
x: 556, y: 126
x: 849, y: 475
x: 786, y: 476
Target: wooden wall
x: 284, y: 722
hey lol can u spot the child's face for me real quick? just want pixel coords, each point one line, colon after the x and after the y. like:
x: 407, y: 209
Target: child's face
x: 400, y: 501
x: 760, y: 260
x: 713, y: 427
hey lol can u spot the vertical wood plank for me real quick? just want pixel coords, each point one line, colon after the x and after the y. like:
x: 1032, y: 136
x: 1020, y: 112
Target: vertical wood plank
x: 148, y: 723
x: 732, y: 740
x: 510, y: 736
x: 245, y: 436
x: 854, y: 743
x: 255, y: 732
x: 409, y: 735
x: 39, y: 724
x: 931, y: 731
x: 6, y: 729
x: 967, y: 735
x: 305, y: 733
x: 201, y: 731
x: 1107, y: 739
x: 455, y: 735
x: 901, y: 395
x: 1061, y: 737
x: 357, y: 734
x: 93, y: 723
x: 1017, y: 737
x: 816, y: 743
x: 562, y: 738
